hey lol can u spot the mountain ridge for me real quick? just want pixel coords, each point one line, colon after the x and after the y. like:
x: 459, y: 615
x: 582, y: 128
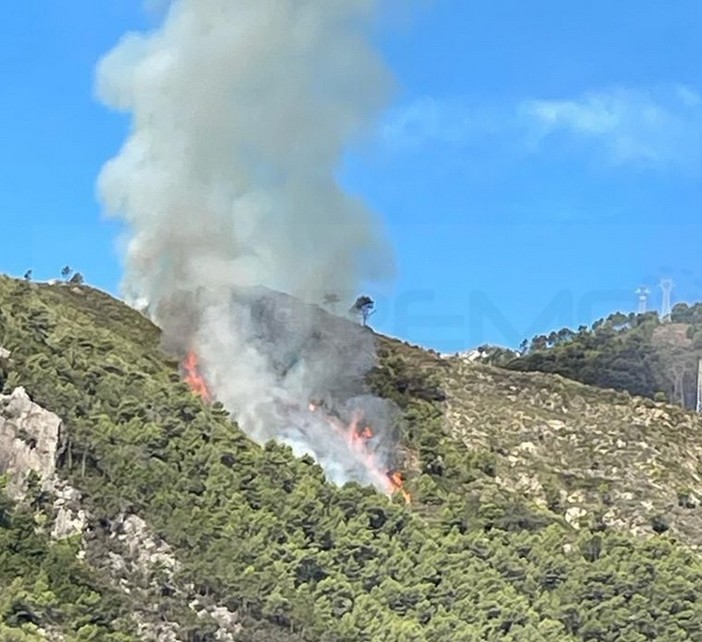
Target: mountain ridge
x: 262, y: 534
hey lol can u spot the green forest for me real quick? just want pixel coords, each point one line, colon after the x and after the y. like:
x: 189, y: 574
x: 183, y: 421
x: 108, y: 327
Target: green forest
x: 637, y: 353
x: 265, y: 535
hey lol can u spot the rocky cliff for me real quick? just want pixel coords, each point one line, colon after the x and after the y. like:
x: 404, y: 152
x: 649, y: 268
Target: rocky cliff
x: 31, y: 442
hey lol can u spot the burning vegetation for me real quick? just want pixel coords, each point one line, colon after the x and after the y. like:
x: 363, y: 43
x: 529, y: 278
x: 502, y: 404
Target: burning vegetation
x: 193, y: 378
x: 357, y: 434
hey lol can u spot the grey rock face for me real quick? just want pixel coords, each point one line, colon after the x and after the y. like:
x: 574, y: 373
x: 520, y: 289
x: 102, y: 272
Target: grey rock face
x: 70, y: 517
x: 31, y: 440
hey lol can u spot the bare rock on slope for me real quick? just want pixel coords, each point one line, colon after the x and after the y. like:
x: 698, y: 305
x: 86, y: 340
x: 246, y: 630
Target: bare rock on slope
x: 31, y: 440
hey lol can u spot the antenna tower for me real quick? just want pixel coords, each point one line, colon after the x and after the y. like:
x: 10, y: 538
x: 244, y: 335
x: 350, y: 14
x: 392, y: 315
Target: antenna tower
x: 666, y: 307
x: 699, y: 385
x: 642, y: 293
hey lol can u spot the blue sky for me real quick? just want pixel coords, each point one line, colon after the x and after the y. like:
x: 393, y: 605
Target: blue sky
x: 540, y: 161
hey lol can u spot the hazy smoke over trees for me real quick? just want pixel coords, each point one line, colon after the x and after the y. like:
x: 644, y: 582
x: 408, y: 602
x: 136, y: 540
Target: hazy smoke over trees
x: 241, y: 112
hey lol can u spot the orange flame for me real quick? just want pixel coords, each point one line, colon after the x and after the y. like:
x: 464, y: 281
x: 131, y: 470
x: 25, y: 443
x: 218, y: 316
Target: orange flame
x: 398, y: 485
x: 356, y: 432
x: 358, y: 436
x: 193, y: 377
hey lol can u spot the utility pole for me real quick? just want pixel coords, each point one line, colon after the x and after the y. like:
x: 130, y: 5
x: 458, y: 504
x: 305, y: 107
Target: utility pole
x: 666, y: 307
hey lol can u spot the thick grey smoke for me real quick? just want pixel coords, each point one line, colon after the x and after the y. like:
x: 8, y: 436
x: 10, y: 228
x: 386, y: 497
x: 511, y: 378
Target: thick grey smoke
x: 241, y: 111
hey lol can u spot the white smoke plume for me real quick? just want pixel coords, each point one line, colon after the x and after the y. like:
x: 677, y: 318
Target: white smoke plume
x: 241, y: 112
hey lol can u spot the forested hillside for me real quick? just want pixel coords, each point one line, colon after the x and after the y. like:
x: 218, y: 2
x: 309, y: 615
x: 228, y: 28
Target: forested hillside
x: 248, y: 543
x: 636, y: 353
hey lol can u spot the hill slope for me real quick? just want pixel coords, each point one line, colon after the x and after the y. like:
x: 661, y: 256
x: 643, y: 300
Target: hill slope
x: 634, y: 353
x: 593, y: 457
x: 203, y: 535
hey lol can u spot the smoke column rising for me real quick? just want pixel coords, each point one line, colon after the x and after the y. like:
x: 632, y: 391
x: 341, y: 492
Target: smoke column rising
x: 241, y: 112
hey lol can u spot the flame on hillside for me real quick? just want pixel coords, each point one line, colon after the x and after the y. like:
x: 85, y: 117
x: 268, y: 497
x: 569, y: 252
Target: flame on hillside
x: 358, y: 436
x: 356, y: 433
x: 193, y: 377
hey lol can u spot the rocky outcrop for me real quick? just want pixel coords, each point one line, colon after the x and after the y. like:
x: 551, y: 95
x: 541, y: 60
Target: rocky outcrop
x: 143, y: 563
x: 70, y: 518
x: 31, y: 441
